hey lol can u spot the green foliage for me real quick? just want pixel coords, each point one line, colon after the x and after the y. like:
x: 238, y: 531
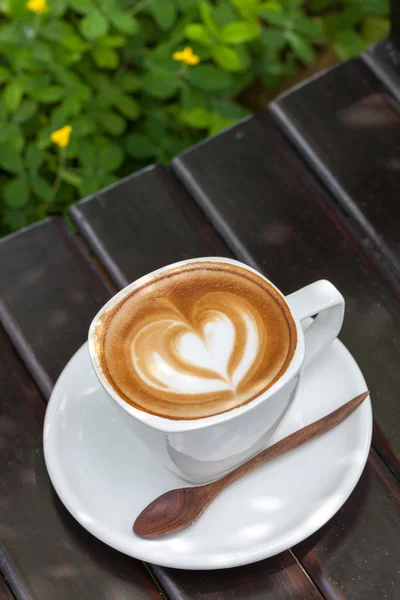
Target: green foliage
x: 106, y: 68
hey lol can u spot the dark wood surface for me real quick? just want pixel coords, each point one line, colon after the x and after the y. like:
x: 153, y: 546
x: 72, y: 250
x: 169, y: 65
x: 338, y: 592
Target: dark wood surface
x: 279, y: 577
x: 49, y: 292
x: 288, y: 229
x: 51, y: 555
x: 395, y: 17
x: 346, y: 124
x: 384, y: 60
x: 69, y: 271
x: 247, y: 191
x: 150, y: 203
x: 5, y: 593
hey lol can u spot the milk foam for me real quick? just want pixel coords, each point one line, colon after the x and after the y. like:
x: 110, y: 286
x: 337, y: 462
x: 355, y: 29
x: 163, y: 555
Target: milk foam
x: 211, y: 350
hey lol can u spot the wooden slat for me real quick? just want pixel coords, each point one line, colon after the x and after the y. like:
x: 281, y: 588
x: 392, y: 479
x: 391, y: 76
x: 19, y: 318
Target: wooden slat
x: 268, y: 207
x: 384, y: 60
x: 131, y: 240
x: 49, y: 292
x: 52, y: 557
x: 278, y: 577
x: 5, y: 593
x: 347, y: 126
x: 121, y: 223
x: 287, y: 228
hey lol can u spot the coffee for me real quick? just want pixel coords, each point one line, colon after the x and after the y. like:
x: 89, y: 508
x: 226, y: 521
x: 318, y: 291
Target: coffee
x: 195, y: 340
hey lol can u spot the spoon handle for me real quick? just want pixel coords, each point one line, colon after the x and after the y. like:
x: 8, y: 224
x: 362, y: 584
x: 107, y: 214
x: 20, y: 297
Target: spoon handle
x: 294, y: 440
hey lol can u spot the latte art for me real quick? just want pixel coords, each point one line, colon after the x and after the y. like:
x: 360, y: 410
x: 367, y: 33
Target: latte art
x: 196, y: 340
x: 213, y: 353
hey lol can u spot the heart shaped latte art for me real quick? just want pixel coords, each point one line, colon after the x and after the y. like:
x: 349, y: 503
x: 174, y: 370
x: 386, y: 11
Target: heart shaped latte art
x: 212, y: 350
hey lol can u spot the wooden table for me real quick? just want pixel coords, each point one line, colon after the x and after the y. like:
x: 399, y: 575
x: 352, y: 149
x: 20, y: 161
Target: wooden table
x: 308, y: 189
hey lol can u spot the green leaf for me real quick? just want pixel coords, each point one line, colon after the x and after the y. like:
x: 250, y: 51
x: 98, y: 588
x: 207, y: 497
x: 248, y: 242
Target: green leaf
x: 187, y: 6
x: 16, y: 192
x: 27, y: 110
x: 74, y: 43
x: 89, y: 185
x: 94, y: 25
x: 273, y: 38
x: 42, y: 189
x: 272, y: 6
x: 303, y: 49
x: 160, y: 85
x: 198, y: 33
x: 111, y: 122
x: 113, y: 41
x: 130, y: 82
x: 224, y: 14
x: 199, y: 118
x: 192, y: 98
x: 312, y: 28
x: 163, y: 12
x: 246, y: 8
x: 350, y: 17
x: 55, y: 31
x: 57, y: 7
x: 375, y: 29
x: 106, y: 97
x: 219, y: 123
x: 83, y: 126
x: 227, y: 58
x: 195, y: 108
x: 12, y: 34
x: 349, y: 44
x: 49, y: 94
x: 7, y: 131
x: 111, y: 158
x: 34, y: 157
x: 12, y: 95
x: 206, y: 13
x: 43, y: 138
x: 105, y: 57
x: 209, y: 78
x: 129, y: 107
x: 42, y: 52
x: 4, y: 74
x: 10, y: 159
x: 239, y: 32
x: 87, y: 155
x: 139, y: 146
x: 275, y: 18
x: 124, y: 22
x: 82, y: 6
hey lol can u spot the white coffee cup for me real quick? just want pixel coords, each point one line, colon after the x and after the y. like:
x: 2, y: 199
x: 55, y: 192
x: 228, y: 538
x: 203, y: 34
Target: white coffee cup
x: 201, y: 450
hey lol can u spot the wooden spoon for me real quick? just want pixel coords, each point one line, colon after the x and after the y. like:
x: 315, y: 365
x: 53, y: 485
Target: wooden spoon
x: 178, y: 509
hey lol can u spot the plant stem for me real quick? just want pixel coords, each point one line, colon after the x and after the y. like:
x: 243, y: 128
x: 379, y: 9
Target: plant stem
x: 36, y: 22
x: 61, y: 168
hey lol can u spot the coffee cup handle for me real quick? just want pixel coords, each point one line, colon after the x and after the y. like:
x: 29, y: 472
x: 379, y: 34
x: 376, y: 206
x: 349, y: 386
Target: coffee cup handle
x: 327, y: 303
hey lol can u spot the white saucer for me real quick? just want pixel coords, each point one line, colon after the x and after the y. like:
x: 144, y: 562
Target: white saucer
x: 105, y: 477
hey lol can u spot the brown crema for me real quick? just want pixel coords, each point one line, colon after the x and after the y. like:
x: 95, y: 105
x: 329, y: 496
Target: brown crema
x: 196, y: 340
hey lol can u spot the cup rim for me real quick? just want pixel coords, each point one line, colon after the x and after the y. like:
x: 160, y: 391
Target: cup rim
x: 165, y: 424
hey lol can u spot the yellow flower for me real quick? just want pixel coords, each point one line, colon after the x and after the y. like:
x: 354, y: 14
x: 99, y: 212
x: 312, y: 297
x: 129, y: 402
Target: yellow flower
x: 186, y: 56
x: 60, y: 137
x: 37, y: 6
